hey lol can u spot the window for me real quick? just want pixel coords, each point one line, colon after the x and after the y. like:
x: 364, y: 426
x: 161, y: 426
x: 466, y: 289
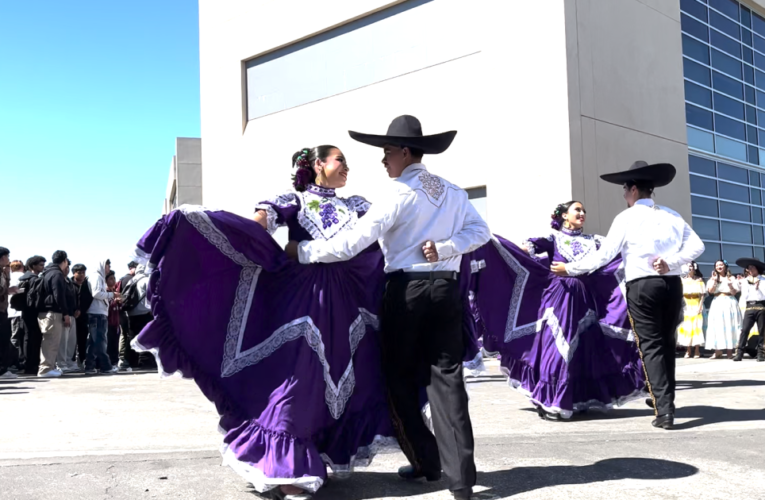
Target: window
x: 358, y: 54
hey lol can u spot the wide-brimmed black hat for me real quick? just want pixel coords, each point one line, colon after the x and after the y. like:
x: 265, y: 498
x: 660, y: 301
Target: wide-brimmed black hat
x: 406, y: 131
x: 745, y: 262
x: 660, y: 174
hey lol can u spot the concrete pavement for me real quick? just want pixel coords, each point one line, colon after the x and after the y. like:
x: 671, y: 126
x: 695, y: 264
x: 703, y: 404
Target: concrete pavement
x: 135, y: 436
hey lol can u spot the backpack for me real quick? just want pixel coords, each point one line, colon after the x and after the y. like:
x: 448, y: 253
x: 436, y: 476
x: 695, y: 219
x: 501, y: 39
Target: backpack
x: 19, y: 299
x: 131, y: 296
x: 36, y: 293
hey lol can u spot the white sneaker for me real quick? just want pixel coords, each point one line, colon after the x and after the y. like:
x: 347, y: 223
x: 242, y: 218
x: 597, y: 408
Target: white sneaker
x: 8, y: 376
x: 112, y: 371
x: 50, y: 374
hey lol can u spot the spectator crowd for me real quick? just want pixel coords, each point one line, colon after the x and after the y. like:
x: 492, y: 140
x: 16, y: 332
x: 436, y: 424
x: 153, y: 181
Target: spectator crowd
x: 56, y: 318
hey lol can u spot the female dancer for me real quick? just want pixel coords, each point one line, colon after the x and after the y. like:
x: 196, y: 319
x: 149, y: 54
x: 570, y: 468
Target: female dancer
x: 287, y: 352
x: 690, y: 333
x: 565, y: 343
x: 724, y: 323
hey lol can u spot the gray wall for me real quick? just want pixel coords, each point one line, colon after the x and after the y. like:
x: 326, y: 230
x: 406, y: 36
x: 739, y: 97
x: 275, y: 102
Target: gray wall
x: 188, y: 154
x: 626, y: 100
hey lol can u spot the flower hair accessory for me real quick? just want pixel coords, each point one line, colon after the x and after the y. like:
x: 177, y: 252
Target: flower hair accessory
x: 556, y: 215
x: 302, y: 177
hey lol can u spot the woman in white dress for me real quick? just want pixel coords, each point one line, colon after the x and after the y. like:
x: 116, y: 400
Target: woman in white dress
x: 724, y: 323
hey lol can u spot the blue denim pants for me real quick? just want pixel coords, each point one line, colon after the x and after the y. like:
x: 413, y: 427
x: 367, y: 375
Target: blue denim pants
x: 96, y: 349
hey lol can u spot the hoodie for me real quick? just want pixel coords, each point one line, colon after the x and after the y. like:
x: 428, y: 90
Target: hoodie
x: 56, y: 290
x: 142, y: 278
x: 101, y: 297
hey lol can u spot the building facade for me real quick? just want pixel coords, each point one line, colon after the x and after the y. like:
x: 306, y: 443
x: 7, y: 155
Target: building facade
x: 545, y: 97
x: 184, y: 184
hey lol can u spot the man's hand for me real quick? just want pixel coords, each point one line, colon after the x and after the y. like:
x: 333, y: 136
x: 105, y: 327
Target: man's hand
x: 429, y: 251
x: 76, y: 314
x: 292, y: 250
x: 559, y: 269
x: 13, y: 290
x: 660, y: 266
x: 117, y: 296
x: 67, y: 321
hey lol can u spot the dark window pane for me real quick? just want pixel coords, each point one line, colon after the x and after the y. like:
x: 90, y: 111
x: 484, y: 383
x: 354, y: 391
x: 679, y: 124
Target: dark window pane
x: 734, y: 211
x: 703, y: 206
x: 730, y: 86
x: 759, y: 60
x: 749, y: 74
x: 726, y: 44
x: 746, y: 17
x: 727, y: 7
x: 756, y: 196
x: 759, y: 43
x: 701, y: 166
x: 751, y: 135
x: 724, y: 24
x: 757, y: 215
x: 751, y: 115
x: 726, y: 105
x: 758, y: 24
x: 729, y: 65
x: 693, y: 27
x: 697, y: 72
x: 711, y: 253
x: 731, y: 173
x: 732, y: 253
x: 754, y: 178
x: 701, y: 96
x: 702, y: 185
x: 759, y: 79
x: 749, y: 92
x: 729, y: 127
x: 757, y: 235
x: 762, y: 136
x: 734, y: 192
x: 748, y: 55
x: 740, y: 233
x: 754, y: 155
x: 746, y: 36
x: 694, y: 8
x: 759, y: 254
x: 699, y: 117
x: 695, y: 49
x: 707, y: 229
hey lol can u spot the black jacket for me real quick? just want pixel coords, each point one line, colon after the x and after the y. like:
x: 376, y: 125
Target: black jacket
x: 83, y: 297
x: 56, y: 290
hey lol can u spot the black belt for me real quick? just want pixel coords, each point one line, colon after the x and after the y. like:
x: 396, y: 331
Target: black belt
x: 750, y: 303
x: 425, y: 276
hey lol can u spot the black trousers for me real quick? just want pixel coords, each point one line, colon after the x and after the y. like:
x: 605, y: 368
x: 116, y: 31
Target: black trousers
x: 5, y: 342
x: 753, y: 316
x: 81, y: 324
x: 34, y: 342
x: 655, y: 305
x: 423, y: 347
x: 143, y: 359
x: 18, y: 340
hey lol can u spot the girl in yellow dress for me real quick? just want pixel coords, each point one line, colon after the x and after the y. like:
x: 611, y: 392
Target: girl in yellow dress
x: 690, y: 333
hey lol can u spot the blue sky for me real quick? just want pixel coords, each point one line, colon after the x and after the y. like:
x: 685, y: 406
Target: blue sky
x: 92, y: 97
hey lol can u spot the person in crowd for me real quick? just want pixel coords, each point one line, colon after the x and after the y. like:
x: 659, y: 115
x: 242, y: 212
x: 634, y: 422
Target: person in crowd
x: 113, y: 321
x: 83, y: 299
x: 140, y: 315
x: 14, y: 313
x: 53, y: 313
x: 5, y: 322
x: 98, y: 321
x: 753, y: 300
x: 32, y: 341
x: 724, y: 322
x: 68, y: 345
x: 127, y: 354
x: 690, y: 333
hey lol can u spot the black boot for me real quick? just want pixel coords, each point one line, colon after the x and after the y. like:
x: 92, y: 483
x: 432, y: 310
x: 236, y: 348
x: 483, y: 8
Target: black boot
x: 739, y: 355
x: 409, y: 473
x: 761, y: 354
x: 664, y: 421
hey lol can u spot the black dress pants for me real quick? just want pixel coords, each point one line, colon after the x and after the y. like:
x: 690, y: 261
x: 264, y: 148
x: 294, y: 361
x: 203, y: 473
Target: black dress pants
x: 655, y: 305
x: 754, y: 315
x: 81, y: 324
x: 423, y: 347
x: 34, y: 342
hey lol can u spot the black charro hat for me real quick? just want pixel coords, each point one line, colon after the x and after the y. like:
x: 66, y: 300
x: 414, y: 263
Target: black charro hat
x: 745, y: 262
x: 406, y: 131
x: 660, y: 174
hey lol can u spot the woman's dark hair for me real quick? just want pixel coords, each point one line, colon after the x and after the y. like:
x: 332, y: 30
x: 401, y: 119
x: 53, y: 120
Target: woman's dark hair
x: 79, y: 267
x: 727, y: 269
x: 35, y: 260
x: 303, y: 161
x: 697, y: 274
x: 557, y: 215
x: 645, y: 188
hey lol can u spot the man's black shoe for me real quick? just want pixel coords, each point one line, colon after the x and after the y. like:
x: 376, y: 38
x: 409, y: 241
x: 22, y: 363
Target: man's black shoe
x: 463, y: 494
x: 739, y: 355
x: 761, y: 355
x: 664, y: 421
x: 409, y: 473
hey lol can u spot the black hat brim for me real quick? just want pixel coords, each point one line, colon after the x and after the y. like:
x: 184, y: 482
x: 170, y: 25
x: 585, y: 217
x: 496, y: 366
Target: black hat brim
x: 428, y: 144
x: 660, y: 174
x: 746, y: 262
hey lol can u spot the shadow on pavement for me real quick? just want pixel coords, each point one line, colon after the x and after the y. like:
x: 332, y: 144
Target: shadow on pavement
x: 684, y: 385
x: 707, y: 415
x: 11, y: 393
x: 506, y: 483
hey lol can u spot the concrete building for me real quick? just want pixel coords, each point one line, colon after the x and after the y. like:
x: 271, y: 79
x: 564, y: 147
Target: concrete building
x: 546, y: 97
x: 184, y: 184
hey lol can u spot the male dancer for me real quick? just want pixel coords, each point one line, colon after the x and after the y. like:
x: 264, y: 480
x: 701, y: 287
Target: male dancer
x: 654, y: 242
x: 423, y: 229
x: 753, y: 294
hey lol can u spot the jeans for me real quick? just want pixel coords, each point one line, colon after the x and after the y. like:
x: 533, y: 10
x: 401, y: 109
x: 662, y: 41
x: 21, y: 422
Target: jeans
x: 19, y: 340
x: 96, y: 350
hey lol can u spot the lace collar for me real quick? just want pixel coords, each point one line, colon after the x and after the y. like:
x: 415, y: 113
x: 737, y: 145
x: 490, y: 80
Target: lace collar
x: 321, y: 191
x: 571, y: 232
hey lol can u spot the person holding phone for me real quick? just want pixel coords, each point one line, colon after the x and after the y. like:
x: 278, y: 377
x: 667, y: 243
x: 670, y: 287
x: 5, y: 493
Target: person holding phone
x: 724, y: 322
